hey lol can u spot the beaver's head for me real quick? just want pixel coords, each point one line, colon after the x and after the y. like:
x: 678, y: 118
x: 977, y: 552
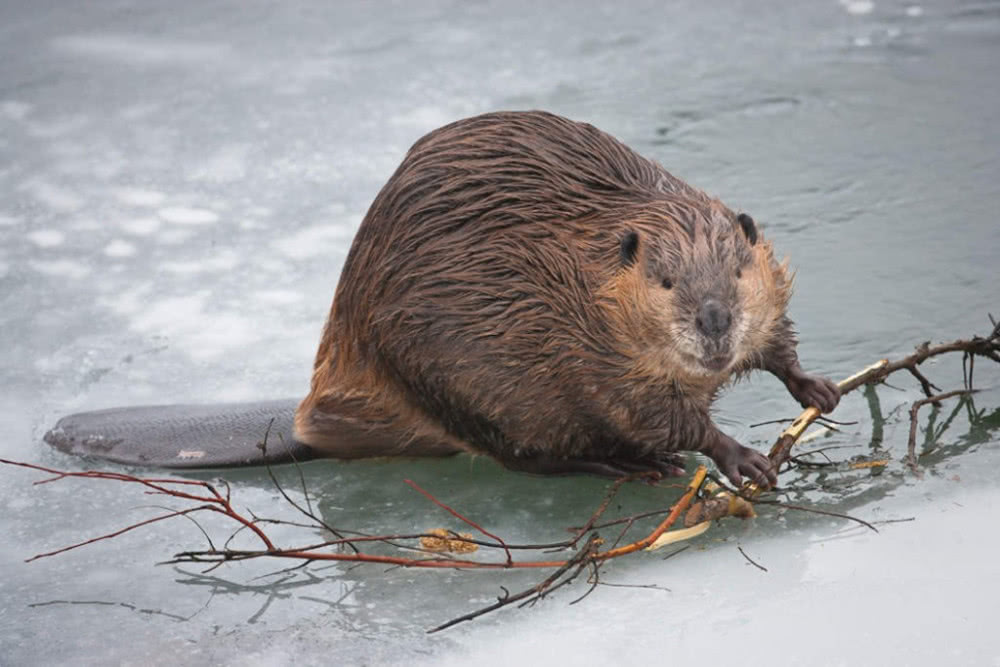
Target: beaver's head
x: 705, y: 288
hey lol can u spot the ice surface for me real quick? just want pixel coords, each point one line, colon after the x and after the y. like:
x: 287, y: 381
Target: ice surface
x: 61, y: 268
x: 858, y: 7
x: 315, y: 241
x: 119, y: 248
x: 180, y: 186
x: 46, y: 238
x: 138, y: 196
x: 183, y: 215
x: 140, y: 50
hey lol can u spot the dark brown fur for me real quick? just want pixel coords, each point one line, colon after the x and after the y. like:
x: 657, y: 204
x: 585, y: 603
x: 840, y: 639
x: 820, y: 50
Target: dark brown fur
x: 526, y: 287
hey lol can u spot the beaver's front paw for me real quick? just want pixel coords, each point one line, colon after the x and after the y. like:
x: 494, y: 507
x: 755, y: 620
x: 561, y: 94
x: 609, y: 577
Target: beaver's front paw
x: 734, y: 461
x: 813, y: 391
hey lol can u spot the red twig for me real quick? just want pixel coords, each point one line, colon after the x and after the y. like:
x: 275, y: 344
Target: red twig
x: 124, y: 530
x: 158, y: 486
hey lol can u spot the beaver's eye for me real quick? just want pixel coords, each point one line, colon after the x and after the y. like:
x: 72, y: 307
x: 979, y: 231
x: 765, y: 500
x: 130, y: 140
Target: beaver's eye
x: 739, y: 273
x: 667, y: 283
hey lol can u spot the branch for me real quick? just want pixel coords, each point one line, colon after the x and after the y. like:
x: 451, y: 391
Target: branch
x: 988, y: 347
x: 588, y: 555
x: 576, y: 563
x: 911, y: 447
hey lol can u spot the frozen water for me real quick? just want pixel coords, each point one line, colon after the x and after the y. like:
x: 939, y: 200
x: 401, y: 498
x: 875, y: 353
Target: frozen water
x: 140, y: 50
x: 138, y: 196
x: 55, y: 197
x: 119, y: 248
x: 140, y: 226
x: 315, y: 241
x: 61, y: 268
x: 183, y: 215
x: 858, y: 7
x: 180, y: 186
x: 46, y: 238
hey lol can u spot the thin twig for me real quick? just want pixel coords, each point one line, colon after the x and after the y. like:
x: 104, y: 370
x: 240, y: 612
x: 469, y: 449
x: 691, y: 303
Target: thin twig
x: 458, y: 515
x: 751, y: 560
x: 815, y: 510
x: 647, y: 587
x: 127, y: 529
x: 925, y: 384
x: 577, y: 563
x: 674, y: 553
x: 911, y: 446
x: 159, y: 486
x: 262, y: 445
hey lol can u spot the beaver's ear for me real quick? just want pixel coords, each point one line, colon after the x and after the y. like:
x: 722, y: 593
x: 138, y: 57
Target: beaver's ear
x: 629, y: 248
x: 748, y: 226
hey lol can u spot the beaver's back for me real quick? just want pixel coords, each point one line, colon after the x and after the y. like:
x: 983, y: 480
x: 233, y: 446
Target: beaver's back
x: 509, y: 168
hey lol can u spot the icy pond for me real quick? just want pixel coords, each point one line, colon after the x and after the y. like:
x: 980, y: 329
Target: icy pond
x: 179, y: 186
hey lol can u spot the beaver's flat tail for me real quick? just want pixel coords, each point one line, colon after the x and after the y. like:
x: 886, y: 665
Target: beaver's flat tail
x: 184, y: 436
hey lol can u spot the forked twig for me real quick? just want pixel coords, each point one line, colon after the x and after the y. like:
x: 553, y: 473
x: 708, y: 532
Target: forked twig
x: 911, y: 446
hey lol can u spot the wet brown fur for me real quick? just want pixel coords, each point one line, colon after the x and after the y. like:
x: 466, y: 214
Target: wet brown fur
x: 485, y: 306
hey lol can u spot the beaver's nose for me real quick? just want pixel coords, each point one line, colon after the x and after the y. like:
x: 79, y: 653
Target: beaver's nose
x: 713, y: 318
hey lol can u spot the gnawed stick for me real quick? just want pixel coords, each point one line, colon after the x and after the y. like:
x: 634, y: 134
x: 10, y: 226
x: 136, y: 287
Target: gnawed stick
x: 989, y: 347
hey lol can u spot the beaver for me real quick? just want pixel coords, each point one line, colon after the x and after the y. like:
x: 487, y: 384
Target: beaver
x: 529, y: 288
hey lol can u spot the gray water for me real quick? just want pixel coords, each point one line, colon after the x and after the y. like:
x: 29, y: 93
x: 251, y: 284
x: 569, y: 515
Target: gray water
x: 179, y: 184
